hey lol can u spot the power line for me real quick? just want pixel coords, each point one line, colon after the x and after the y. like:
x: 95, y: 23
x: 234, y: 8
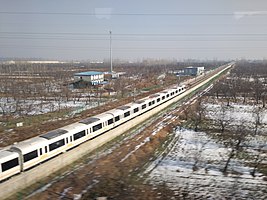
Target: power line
x: 131, y: 14
x: 136, y: 34
x: 125, y: 14
x: 136, y: 39
x: 133, y: 48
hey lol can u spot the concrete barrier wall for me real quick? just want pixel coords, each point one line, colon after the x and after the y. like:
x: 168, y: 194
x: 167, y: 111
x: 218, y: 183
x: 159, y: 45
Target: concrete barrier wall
x: 25, y: 179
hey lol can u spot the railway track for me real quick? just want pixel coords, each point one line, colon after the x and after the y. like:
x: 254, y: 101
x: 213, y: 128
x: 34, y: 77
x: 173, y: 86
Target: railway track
x: 24, y: 180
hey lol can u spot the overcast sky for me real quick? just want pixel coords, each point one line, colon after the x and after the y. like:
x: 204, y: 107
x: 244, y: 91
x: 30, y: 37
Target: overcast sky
x: 179, y: 29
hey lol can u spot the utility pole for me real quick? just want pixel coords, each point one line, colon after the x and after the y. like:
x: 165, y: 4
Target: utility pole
x: 110, y: 51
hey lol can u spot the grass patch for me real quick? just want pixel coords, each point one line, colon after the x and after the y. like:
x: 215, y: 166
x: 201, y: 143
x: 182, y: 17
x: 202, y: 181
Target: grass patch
x: 34, y: 119
x: 151, y: 88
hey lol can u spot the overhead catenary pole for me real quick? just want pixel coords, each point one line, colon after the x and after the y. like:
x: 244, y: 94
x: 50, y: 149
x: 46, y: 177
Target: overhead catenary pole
x: 110, y: 51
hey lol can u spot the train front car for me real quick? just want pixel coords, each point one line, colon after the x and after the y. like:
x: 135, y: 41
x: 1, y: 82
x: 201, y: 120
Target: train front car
x: 9, y: 164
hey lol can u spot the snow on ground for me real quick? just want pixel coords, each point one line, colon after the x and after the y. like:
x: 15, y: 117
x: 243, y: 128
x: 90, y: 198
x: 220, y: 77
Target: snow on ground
x: 235, y: 112
x: 37, y: 107
x: 206, y: 181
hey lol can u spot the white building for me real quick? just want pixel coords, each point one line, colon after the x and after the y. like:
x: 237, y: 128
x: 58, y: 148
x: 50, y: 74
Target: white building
x: 95, y: 78
x: 194, y: 71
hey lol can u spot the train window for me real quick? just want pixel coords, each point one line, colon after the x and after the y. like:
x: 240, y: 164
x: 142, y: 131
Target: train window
x: 153, y: 102
x: 136, y: 110
x: 76, y: 136
x: 67, y: 140
x: 179, y: 90
x: 56, y: 145
x: 163, y: 97
x: 70, y: 139
x: 158, y: 100
x: 30, y: 156
x: 41, y: 152
x: 144, y: 106
x: 127, y: 114
x: 110, y: 121
x: 176, y: 91
x: 150, y: 103
x: 117, y: 118
x: 167, y: 95
x: 97, y: 127
x: 45, y: 149
x: 10, y: 164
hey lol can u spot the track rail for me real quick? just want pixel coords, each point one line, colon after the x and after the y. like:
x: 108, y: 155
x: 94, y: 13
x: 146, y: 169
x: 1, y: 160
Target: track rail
x: 41, y: 171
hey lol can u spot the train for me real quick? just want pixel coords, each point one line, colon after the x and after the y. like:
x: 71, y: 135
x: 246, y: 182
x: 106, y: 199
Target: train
x: 26, y: 154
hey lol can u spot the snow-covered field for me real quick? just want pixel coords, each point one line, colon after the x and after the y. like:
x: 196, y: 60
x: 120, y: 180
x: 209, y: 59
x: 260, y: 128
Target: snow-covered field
x: 193, y: 166
x: 206, y: 181
x: 36, y: 107
x: 236, y: 113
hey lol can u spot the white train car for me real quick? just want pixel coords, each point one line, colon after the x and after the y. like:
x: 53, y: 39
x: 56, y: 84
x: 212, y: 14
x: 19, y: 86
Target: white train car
x: 98, y: 124
x: 129, y: 111
x: 31, y: 152
x: 56, y: 142
x: 77, y: 134
x: 117, y: 115
x: 9, y: 164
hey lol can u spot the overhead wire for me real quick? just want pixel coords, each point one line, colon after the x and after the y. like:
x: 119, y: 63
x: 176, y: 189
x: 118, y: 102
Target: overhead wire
x: 133, y: 37
x: 128, y: 14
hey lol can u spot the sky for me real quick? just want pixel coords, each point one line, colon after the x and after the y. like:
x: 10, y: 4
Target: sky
x: 140, y: 29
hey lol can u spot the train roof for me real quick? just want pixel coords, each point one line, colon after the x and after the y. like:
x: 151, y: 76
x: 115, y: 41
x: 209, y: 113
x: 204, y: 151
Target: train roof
x: 123, y: 107
x: 30, y: 144
x: 89, y: 120
x: 115, y: 112
x: 132, y: 105
x: 76, y: 127
x: 154, y: 95
x: 165, y: 91
x: 53, y: 134
x: 104, y: 116
x: 139, y: 101
x: 6, y: 155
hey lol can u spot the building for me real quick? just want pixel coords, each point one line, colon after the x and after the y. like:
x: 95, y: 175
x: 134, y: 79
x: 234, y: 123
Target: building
x: 194, y: 71
x: 116, y: 75
x: 92, y: 77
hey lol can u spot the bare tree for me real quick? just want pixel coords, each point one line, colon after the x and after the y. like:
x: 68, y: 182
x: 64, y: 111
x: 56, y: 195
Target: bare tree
x: 236, y: 141
x: 197, y: 113
x: 223, y: 117
x: 257, y: 114
x: 198, y: 154
x: 258, y: 89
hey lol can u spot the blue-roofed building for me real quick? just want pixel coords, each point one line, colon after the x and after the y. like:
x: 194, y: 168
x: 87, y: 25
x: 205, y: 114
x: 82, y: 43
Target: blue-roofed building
x: 92, y: 77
